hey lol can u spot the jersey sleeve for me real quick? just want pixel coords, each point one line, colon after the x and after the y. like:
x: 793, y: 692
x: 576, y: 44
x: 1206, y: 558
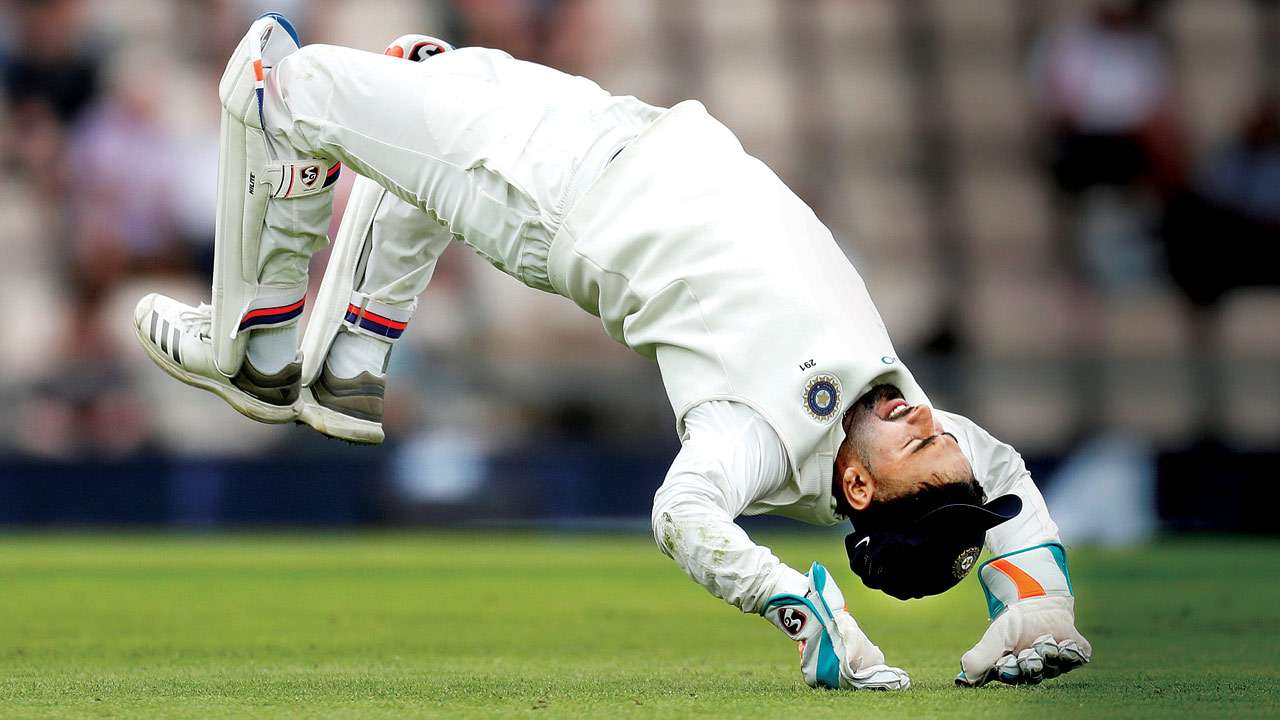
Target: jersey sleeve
x: 730, y: 457
x: 1001, y: 471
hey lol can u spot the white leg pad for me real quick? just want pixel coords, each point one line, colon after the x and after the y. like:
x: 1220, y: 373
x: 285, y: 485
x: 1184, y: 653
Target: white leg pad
x: 242, y: 206
x: 251, y: 174
x: 350, y: 249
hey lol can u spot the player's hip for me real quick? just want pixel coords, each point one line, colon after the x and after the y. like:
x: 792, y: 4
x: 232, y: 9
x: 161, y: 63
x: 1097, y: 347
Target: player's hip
x: 511, y: 206
x: 683, y: 204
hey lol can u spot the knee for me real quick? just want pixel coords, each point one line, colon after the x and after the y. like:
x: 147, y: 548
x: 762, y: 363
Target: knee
x: 303, y: 64
x: 300, y: 85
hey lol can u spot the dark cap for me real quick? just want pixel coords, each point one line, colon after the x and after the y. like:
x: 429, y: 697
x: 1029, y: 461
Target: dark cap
x: 929, y: 552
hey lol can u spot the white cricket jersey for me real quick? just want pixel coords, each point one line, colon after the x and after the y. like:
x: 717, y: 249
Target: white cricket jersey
x: 694, y: 253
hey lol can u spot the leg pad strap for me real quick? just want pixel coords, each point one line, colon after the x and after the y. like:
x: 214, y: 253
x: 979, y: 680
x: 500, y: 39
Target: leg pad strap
x: 301, y: 178
x: 374, y: 318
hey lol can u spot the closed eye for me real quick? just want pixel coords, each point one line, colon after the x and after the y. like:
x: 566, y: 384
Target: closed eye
x: 926, y: 442
x: 929, y: 440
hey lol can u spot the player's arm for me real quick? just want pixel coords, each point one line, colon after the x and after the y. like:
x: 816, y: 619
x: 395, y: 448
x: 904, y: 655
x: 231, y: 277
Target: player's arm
x: 730, y: 457
x: 1030, y: 599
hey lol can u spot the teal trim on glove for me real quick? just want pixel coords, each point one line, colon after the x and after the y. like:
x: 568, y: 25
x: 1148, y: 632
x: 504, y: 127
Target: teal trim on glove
x: 1037, y: 571
x: 820, y: 662
x: 828, y: 664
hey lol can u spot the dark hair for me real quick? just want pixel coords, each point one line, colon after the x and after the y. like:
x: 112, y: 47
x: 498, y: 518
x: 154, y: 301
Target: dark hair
x: 901, y: 511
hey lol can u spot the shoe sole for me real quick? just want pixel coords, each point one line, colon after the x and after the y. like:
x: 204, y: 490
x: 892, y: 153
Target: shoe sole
x: 337, y: 425
x: 240, y: 401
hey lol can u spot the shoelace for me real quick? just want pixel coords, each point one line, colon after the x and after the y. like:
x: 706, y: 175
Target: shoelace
x: 198, y: 322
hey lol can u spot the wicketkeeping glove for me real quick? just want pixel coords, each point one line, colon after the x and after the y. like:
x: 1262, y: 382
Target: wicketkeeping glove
x: 834, y: 652
x: 1032, y: 636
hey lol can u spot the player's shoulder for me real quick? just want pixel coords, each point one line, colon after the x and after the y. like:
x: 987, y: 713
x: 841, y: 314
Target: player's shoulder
x: 983, y: 449
x: 973, y: 438
x: 952, y: 420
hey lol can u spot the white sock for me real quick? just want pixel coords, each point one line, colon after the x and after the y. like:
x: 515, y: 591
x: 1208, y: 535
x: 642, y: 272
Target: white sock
x: 354, y: 353
x: 270, y: 349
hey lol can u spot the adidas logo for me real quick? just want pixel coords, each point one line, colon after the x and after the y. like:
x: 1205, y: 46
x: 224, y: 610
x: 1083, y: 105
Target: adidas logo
x: 167, y: 337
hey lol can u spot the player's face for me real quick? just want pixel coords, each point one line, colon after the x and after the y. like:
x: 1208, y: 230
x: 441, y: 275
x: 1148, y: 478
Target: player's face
x: 900, y: 448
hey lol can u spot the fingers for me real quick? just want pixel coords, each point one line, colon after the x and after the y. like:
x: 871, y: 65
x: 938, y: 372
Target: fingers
x: 1023, y: 668
x: 863, y: 665
x: 1079, y: 643
x: 1071, y: 656
x: 1045, y: 659
x: 1030, y: 666
x: 869, y: 656
x: 1021, y: 646
x: 1059, y: 657
x: 878, y: 677
x: 1051, y: 652
x: 964, y: 680
x: 1007, y: 670
x: 859, y: 651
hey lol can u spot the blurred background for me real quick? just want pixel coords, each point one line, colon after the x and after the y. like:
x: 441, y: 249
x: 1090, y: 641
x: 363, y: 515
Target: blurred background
x: 1065, y: 211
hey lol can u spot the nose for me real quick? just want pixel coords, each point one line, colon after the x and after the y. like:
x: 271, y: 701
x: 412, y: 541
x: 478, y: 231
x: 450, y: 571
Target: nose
x: 921, y: 416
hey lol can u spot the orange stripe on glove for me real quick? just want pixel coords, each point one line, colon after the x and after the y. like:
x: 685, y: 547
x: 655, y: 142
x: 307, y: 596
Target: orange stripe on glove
x: 1027, y: 586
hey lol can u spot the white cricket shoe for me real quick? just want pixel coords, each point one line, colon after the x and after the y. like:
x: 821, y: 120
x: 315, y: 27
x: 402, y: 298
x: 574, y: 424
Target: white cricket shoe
x: 345, y: 408
x: 176, y: 337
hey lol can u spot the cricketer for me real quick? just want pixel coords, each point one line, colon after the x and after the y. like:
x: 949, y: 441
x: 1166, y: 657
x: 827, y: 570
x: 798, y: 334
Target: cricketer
x: 788, y: 395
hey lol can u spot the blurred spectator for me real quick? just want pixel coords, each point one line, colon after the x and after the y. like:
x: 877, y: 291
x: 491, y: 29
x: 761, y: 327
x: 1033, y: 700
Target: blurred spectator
x: 119, y: 210
x: 121, y: 204
x: 1230, y: 213
x: 52, y: 64
x: 51, y: 75
x: 1103, y: 87
x: 564, y: 34
x: 1104, y: 91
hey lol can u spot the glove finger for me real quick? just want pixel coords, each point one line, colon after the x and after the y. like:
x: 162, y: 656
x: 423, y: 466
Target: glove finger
x: 1070, y: 656
x: 859, y: 651
x: 963, y: 680
x: 1007, y: 670
x: 1031, y: 666
x: 1047, y: 648
x: 870, y: 656
x: 1082, y: 645
x: 879, y: 677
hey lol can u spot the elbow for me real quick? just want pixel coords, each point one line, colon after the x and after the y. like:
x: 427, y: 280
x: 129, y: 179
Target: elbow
x: 665, y: 533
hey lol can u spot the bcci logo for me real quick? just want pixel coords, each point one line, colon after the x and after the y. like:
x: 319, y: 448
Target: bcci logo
x: 792, y: 621
x: 309, y: 175
x: 822, y: 397
x: 964, y: 563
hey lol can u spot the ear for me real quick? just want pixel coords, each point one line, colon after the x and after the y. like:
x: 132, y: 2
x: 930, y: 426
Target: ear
x: 858, y: 486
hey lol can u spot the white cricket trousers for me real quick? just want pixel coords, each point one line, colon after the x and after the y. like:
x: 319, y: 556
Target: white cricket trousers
x: 472, y: 143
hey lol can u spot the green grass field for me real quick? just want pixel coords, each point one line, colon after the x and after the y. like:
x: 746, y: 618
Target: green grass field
x: 543, y: 626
